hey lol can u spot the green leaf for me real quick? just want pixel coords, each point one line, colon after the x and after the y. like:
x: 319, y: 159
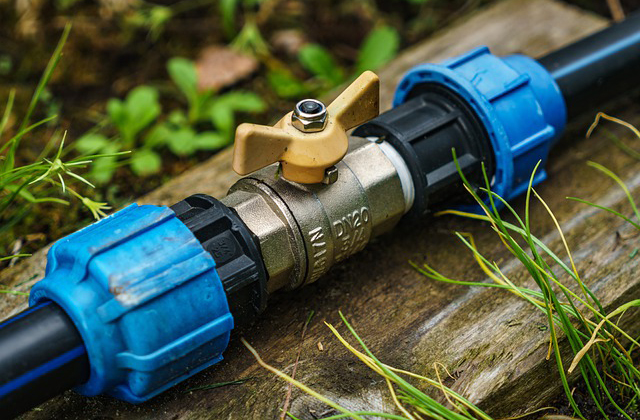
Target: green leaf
x: 46, y: 76
x: 157, y: 135
x: 91, y: 143
x: 285, y: 84
x: 158, y: 18
x: 145, y: 162
x: 222, y: 109
x: 196, y: 113
x: 319, y: 62
x: 142, y: 108
x: 9, y: 158
x: 181, y: 141
x: 250, y: 40
x: 116, y: 113
x: 184, y: 75
x: 6, y: 64
x: 242, y: 101
x: 65, y: 4
x: 25, y: 194
x: 178, y: 118
x: 222, y: 118
x: 102, y: 169
x: 228, y: 13
x: 210, y: 141
x: 380, y: 46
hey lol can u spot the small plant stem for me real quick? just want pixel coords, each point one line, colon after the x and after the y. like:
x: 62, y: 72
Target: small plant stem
x: 298, y: 384
x: 287, y: 399
x: 46, y: 76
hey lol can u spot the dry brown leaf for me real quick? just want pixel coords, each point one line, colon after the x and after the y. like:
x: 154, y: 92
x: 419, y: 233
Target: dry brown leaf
x: 219, y: 66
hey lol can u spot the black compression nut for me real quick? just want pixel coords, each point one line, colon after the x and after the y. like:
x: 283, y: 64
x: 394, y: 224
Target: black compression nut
x: 424, y: 130
x: 234, y: 248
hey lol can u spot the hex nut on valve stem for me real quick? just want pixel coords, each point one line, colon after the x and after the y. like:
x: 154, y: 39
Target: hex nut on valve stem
x: 309, y: 116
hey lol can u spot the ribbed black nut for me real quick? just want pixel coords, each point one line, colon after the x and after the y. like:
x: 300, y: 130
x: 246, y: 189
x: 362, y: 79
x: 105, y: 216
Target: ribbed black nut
x: 424, y: 130
x: 235, y: 249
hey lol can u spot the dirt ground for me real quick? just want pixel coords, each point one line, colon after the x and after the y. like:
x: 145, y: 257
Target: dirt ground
x: 109, y: 53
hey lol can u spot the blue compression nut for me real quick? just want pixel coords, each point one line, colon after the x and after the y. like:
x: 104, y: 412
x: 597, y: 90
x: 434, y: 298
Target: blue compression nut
x: 518, y: 102
x: 145, y: 297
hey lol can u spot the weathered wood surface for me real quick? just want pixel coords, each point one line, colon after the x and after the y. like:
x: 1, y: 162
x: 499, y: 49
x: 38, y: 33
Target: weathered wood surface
x: 490, y: 339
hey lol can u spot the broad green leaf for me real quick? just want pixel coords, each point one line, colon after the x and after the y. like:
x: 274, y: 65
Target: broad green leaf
x: 116, y: 112
x: 223, y: 108
x: 319, y: 61
x: 222, y: 118
x: 145, y: 162
x: 184, y: 75
x: 197, y: 110
x: 210, y: 141
x: 242, y: 101
x: 285, y: 84
x: 91, y: 143
x: 157, y: 136
x: 380, y: 46
x: 178, y: 118
x: 181, y: 141
x: 142, y: 108
x: 102, y: 169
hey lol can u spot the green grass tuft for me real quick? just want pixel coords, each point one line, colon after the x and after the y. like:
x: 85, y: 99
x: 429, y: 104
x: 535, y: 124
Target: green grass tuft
x: 604, y: 363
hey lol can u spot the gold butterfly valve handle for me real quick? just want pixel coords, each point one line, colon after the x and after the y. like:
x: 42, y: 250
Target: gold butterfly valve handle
x: 312, y: 138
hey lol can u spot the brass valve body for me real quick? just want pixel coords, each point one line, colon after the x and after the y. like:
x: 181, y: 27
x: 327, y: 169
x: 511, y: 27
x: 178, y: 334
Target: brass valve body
x: 305, y: 229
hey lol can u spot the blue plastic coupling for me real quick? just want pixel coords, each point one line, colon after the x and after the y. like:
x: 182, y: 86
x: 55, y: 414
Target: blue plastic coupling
x: 145, y: 297
x: 518, y: 102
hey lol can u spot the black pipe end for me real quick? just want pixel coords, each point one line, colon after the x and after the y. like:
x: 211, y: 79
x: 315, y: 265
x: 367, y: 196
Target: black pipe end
x: 41, y: 355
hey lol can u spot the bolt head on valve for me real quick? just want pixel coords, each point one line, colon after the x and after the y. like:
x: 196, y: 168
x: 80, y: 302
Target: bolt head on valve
x: 309, y: 116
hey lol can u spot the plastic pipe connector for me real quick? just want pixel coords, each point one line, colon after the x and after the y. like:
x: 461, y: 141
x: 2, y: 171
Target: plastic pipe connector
x: 145, y: 297
x: 517, y: 101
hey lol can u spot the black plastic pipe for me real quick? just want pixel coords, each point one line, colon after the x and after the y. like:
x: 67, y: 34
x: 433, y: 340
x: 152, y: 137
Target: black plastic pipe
x: 41, y: 355
x: 597, y: 68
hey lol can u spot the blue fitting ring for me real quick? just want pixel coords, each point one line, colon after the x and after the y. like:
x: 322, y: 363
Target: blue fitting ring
x: 516, y: 99
x: 145, y: 297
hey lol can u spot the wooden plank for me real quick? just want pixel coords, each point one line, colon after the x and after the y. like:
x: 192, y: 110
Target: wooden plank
x: 490, y: 339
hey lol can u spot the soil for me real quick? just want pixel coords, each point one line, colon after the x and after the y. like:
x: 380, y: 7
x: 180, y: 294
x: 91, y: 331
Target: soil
x: 106, y: 56
x: 589, y: 409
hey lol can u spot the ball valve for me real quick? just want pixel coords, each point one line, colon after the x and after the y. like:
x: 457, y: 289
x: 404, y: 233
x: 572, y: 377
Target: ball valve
x: 147, y: 297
